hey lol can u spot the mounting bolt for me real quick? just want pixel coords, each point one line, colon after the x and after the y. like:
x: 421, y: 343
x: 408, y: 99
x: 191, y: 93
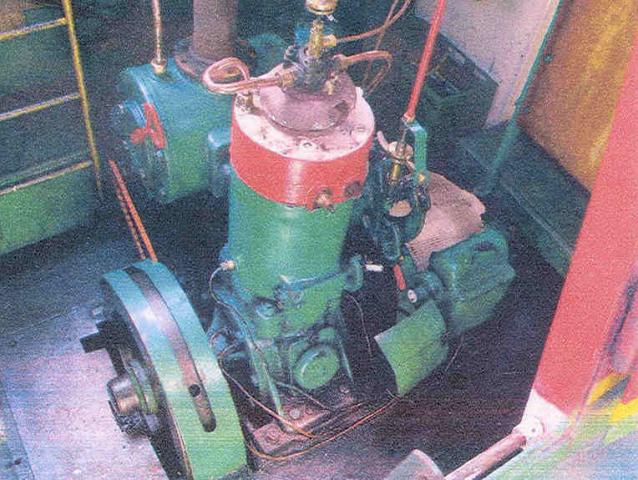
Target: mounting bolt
x: 227, y: 265
x: 344, y: 389
x: 295, y: 413
x: 412, y: 296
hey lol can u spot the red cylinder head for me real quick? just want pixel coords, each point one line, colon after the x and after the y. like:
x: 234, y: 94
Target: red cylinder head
x: 304, y: 149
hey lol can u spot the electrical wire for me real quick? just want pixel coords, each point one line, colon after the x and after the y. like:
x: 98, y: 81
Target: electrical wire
x: 380, y: 29
x: 253, y: 399
x: 306, y: 395
x: 362, y: 319
x: 321, y: 443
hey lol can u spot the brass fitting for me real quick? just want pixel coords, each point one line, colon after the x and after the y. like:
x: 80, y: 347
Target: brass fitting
x: 400, y: 152
x: 317, y: 41
x: 321, y: 7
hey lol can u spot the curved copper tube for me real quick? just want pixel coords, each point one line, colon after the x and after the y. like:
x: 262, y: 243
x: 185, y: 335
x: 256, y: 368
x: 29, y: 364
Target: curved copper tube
x: 380, y: 29
x: 214, y: 77
x: 346, y: 62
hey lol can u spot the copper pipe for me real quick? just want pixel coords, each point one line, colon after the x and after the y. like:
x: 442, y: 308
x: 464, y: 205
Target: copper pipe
x: 214, y: 76
x: 380, y: 29
x: 489, y: 459
x: 346, y: 62
x: 379, y: 40
x: 159, y: 61
x: 214, y: 29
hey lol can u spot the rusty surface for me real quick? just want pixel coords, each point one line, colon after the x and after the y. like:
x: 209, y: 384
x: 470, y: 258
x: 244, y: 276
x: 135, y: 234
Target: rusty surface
x: 274, y: 440
x: 490, y: 458
x: 214, y: 28
x: 454, y: 216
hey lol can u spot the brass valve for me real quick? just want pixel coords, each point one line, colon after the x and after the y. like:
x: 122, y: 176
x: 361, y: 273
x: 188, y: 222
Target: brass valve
x: 318, y: 42
x: 401, y: 154
x: 321, y: 7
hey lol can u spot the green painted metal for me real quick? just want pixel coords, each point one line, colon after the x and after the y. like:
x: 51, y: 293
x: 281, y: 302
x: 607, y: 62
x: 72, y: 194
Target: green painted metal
x: 37, y: 59
x: 372, y: 210
x: 196, y: 124
x: 208, y: 455
x: 33, y: 211
x: 533, y: 192
x: 459, y: 291
x: 415, y: 346
x: 475, y: 275
x: 316, y: 366
x: 188, y: 113
x: 271, y: 242
x: 512, y: 131
x: 282, y: 299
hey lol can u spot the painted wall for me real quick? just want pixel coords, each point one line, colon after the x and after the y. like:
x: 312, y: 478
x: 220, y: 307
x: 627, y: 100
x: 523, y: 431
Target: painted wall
x: 501, y: 36
x: 571, y: 106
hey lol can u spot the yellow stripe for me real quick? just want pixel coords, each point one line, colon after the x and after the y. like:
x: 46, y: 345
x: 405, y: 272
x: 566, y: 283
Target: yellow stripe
x: 603, y: 386
x: 624, y: 410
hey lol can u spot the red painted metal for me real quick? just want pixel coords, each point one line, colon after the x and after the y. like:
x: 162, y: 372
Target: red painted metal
x: 424, y: 63
x: 399, y: 278
x: 308, y: 168
x: 586, y: 318
x: 625, y: 348
x: 153, y: 129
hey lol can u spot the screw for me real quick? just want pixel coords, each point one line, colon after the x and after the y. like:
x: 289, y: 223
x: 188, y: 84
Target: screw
x: 295, y: 413
x: 344, y: 389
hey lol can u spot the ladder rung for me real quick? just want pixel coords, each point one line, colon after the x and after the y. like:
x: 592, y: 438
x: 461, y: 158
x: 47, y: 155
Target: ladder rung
x: 47, y: 176
x: 38, y: 27
x: 36, y: 107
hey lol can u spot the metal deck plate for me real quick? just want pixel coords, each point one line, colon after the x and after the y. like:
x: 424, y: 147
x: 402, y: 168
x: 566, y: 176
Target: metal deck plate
x: 57, y: 396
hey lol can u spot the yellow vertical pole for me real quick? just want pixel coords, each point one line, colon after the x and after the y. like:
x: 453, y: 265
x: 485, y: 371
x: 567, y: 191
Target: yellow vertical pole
x: 84, y: 99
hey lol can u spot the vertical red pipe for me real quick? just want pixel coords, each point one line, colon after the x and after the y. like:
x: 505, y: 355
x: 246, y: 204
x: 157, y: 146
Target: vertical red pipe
x: 424, y: 63
x: 606, y: 250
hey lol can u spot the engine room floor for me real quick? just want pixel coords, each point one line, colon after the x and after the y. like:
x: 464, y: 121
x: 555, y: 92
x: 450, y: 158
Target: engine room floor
x: 57, y: 397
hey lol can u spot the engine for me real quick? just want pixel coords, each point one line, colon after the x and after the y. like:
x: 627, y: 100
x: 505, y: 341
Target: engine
x: 271, y: 374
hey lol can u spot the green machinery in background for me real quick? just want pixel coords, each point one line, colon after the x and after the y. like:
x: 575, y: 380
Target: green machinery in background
x: 48, y: 178
x: 276, y: 367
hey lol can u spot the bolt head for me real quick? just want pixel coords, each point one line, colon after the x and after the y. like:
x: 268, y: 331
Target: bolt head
x: 412, y: 296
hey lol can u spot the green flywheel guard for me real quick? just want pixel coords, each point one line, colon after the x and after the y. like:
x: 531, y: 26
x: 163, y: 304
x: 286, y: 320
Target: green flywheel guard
x: 209, y: 455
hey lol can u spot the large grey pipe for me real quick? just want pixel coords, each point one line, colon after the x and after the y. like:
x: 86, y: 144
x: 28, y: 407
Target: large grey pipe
x: 214, y: 29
